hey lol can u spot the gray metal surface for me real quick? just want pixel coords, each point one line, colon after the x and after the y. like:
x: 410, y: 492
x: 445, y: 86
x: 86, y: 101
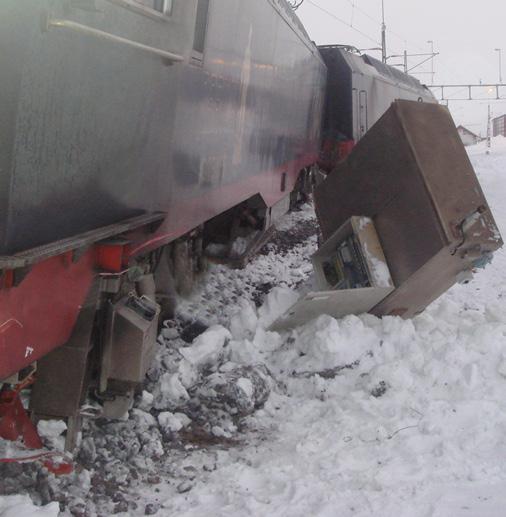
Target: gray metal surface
x: 337, y: 304
x: 77, y: 242
x: 95, y: 127
x: 360, y: 89
x: 133, y: 343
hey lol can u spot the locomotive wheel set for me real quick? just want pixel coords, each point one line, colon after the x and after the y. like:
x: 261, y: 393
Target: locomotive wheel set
x: 136, y: 136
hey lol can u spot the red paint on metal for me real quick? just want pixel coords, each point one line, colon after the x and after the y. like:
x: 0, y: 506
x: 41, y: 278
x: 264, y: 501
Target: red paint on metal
x: 8, y: 278
x: 333, y: 152
x: 186, y: 214
x: 345, y: 149
x: 15, y: 423
x: 110, y: 257
x: 56, y: 466
x: 39, y: 314
x: 59, y: 469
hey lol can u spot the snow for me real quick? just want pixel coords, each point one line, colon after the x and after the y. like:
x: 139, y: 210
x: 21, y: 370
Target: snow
x: 379, y: 270
x: 208, y: 347
x: 51, y: 433
x: 365, y: 417
x: 277, y: 302
x: 21, y: 506
x: 173, y: 421
x: 378, y: 417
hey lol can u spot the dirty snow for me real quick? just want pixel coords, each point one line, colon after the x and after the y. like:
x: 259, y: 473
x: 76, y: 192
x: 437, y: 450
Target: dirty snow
x: 356, y: 417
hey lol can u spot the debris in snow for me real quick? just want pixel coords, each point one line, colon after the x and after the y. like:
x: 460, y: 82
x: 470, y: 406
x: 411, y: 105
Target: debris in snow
x: 380, y: 389
x: 239, y: 391
x: 184, y: 487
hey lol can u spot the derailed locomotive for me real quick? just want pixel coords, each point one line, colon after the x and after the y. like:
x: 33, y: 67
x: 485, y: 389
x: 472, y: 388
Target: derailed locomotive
x: 132, y: 134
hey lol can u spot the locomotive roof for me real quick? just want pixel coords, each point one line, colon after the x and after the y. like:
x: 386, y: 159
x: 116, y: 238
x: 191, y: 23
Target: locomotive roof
x: 392, y: 72
x: 363, y: 62
x: 285, y: 6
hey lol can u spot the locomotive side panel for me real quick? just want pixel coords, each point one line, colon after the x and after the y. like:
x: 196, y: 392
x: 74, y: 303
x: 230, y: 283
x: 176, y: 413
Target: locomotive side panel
x: 103, y: 130
x: 98, y: 128
x: 247, y: 112
x: 94, y: 118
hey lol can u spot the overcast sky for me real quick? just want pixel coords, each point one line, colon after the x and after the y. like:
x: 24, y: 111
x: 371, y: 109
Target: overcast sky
x: 465, y: 32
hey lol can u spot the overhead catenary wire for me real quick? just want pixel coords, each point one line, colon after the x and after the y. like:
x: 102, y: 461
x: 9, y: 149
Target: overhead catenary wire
x: 371, y: 18
x: 344, y: 22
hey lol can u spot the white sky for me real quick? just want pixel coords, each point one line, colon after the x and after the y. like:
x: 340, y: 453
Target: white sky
x: 465, y: 33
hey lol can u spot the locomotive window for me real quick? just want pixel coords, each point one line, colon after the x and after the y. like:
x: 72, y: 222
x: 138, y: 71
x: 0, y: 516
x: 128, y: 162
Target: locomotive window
x: 201, y: 26
x: 162, y: 6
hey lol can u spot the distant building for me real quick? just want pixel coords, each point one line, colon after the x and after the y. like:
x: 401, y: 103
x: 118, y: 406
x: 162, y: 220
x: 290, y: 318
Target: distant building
x: 468, y: 137
x: 500, y: 125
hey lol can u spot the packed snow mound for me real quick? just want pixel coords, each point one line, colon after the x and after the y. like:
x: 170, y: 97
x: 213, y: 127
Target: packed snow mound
x: 22, y: 506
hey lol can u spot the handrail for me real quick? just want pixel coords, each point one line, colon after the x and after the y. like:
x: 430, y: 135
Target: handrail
x: 106, y: 36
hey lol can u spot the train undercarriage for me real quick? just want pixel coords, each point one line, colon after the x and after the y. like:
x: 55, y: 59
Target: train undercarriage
x: 114, y: 327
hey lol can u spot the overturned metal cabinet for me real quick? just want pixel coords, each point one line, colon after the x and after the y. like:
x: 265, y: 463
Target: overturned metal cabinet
x: 351, y: 276
x: 411, y: 175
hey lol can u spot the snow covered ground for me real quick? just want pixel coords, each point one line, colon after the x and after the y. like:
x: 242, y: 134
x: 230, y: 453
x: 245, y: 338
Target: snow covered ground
x: 416, y: 428
x: 366, y: 417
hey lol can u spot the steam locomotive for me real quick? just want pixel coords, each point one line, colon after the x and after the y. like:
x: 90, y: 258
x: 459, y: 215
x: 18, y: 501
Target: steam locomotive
x: 134, y: 133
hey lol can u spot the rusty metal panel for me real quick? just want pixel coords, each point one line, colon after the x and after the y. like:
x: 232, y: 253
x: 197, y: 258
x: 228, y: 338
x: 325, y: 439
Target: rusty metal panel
x: 412, y: 176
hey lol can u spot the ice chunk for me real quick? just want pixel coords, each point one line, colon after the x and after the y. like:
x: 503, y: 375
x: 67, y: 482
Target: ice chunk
x: 207, y: 348
x: 170, y: 392
x: 173, y: 421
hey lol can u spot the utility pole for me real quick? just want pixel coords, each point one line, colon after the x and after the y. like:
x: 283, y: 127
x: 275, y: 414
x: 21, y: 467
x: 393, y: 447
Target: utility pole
x: 489, y: 131
x: 432, y: 60
x: 499, y: 51
x: 383, y: 33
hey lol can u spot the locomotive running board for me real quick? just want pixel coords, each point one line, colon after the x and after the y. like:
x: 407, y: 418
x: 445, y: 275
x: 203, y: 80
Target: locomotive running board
x: 32, y: 256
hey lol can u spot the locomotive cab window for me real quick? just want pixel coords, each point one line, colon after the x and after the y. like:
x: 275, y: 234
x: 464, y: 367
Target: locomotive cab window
x: 162, y: 6
x: 199, y: 39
